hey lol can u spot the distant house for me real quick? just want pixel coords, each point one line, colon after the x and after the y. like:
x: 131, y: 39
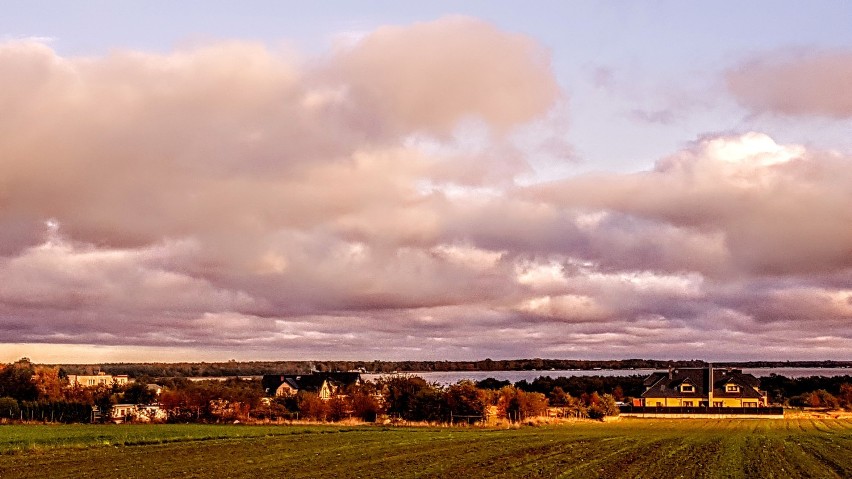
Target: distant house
x: 324, y: 385
x: 100, y: 379
x: 137, y: 412
x: 703, y: 387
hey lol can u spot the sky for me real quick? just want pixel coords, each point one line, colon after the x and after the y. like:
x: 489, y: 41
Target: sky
x: 205, y: 180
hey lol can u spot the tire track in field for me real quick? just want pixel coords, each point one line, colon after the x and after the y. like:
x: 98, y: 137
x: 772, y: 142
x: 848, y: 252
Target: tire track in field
x: 648, y: 460
x: 544, y: 458
x: 834, y: 457
x: 605, y: 463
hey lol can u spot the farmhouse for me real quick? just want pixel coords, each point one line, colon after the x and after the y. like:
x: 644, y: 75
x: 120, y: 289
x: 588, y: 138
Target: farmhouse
x: 100, y: 379
x: 703, y: 387
x: 324, y: 385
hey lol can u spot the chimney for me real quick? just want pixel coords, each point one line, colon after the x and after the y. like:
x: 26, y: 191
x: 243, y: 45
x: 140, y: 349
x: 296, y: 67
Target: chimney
x: 670, y: 373
x: 710, y: 385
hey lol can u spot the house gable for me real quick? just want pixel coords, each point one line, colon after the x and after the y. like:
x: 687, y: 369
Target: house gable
x: 324, y: 385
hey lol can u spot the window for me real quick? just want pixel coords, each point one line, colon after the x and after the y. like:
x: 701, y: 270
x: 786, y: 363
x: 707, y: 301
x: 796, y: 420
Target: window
x: 717, y: 403
x: 687, y: 388
x: 687, y: 403
x: 659, y: 404
x: 732, y: 388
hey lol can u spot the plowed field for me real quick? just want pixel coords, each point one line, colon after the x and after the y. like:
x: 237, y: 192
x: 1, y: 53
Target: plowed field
x: 627, y: 448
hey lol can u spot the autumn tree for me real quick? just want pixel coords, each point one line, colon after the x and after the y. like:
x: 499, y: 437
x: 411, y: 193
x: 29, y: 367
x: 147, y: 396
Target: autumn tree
x: 16, y: 381
x: 404, y: 395
x: 364, y: 403
x: 311, y: 406
x: 138, y: 393
x: 845, y: 396
x: 9, y: 407
x: 558, y: 397
x: 174, y: 402
x: 46, y: 380
x: 602, y: 406
x: 516, y: 404
x: 466, y: 401
x: 428, y: 404
x: 338, y: 408
x: 104, y: 400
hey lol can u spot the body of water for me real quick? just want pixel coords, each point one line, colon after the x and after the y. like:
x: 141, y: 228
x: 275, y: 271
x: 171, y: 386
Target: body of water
x: 452, y: 377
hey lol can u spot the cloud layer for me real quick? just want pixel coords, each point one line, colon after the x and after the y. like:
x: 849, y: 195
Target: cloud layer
x: 245, y: 201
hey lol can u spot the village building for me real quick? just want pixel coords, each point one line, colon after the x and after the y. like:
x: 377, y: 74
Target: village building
x: 325, y: 385
x: 703, y: 387
x: 100, y: 379
x: 120, y: 413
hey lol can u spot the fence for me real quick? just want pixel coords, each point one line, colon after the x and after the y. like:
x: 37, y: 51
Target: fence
x: 698, y: 411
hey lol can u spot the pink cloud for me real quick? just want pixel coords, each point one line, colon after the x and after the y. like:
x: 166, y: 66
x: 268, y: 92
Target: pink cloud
x: 811, y: 83
x: 777, y: 207
x: 431, y: 75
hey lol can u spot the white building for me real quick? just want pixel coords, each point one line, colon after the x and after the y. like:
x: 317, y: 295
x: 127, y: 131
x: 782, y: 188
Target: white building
x: 100, y: 379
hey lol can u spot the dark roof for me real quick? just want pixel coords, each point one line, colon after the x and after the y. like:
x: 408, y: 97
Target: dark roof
x: 309, y: 382
x: 661, y: 384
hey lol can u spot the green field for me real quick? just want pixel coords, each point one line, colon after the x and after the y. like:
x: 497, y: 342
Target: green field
x: 626, y: 448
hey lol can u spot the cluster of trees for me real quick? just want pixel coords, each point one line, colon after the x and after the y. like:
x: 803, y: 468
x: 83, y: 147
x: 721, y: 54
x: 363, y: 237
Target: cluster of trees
x: 30, y: 392
x: 400, y: 398
x: 233, y: 399
x: 620, y: 387
x: 824, y: 399
x: 413, y: 399
x: 831, y: 392
x: 41, y: 393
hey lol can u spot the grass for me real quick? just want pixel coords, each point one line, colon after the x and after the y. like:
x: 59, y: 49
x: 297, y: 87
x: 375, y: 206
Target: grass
x: 628, y: 448
x: 15, y: 439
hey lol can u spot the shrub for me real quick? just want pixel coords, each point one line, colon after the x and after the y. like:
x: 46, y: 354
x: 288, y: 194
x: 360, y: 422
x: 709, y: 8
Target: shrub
x: 338, y: 409
x: 364, y: 406
x: 516, y: 404
x: 312, y: 407
x: 595, y: 411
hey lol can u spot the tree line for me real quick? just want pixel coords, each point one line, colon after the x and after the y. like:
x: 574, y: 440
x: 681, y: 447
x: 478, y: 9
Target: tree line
x: 258, y: 368
x: 32, y: 392
x: 41, y: 393
x: 830, y: 392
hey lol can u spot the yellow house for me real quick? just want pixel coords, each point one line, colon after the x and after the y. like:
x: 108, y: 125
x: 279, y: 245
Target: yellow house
x: 703, y: 387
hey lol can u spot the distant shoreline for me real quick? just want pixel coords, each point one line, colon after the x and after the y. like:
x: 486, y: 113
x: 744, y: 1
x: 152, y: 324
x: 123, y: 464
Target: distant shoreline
x: 259, y: 368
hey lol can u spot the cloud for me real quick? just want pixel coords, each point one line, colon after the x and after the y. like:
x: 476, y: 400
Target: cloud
x: 807, y: 83
x: 248, y: 202
x: 430, y: 75
x: 663, y: 117
x: 756, y: 207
